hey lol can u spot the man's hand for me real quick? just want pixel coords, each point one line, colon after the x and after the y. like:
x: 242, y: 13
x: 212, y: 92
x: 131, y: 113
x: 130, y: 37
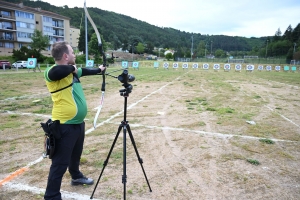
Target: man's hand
x: 75, y: 71
x: 102, y: 68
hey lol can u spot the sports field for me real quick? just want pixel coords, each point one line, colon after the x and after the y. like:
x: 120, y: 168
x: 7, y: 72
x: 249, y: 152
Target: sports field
x: 201, y: 134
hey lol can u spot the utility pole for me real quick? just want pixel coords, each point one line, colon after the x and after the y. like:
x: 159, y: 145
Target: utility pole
x: 211, y: 47
x: 294, y: 47
x: 192, y: 48
x: 267, y: 49
x: 205, y: 49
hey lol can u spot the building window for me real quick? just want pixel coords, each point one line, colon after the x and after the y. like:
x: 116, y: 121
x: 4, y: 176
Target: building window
x: 48, y: 29
x: 7, y: 25
x: 47, y: 19
x: 24, y: 35
x: 5, y: 13
x: 9, y: 45
x: 25, y: 25
x: 24, y: 15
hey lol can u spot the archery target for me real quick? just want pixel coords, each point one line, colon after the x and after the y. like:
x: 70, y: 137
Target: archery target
x: 175, y: 65
x: 268, y: 68
x: 125, y: 64
x: 227, y: 67
x: 135, y: 64
x: 185, y: 65
x: 250, y: 67
x: 277, y: 68
x: 195, y: 65
x: 205, y: 66
x: 31, y: 63
x: 216, y: 66
x: 260, y: 67
x: 238, y: 67
x: 166, y: 65
x: 156, y: 64
x: 89, y: 63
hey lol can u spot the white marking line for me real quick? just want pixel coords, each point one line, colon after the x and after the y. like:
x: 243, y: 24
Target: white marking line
x: 221, y: 135
x: 128, y: 108
x: 27, y: 96
x: 287, y: 119
x: 36, y: 190
x: 28, y: 114
x: 273, y: 110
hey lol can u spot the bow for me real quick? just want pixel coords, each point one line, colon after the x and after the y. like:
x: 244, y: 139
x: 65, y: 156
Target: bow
x: 104, y: 63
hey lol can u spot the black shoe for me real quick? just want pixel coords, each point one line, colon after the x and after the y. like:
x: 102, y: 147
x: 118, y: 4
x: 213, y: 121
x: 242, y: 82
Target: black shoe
x: 82, y: 181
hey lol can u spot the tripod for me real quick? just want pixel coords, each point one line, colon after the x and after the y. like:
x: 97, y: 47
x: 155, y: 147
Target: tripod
x: 125, y: 125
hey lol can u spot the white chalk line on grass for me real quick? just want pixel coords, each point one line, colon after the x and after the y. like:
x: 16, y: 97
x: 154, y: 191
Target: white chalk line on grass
x: 128, y: 107
x: 221, y: 135
x: 27, y: 114
x: 36, y: 190
x: 287, y: 119
x: 6, y: 181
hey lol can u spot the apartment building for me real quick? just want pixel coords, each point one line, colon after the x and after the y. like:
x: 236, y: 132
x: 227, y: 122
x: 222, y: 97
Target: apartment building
x: 18, y: 22
x: 74, y: 38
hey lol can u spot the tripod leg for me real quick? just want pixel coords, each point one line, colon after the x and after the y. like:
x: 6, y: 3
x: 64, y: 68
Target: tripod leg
x: 137, y: 154
x: 106, y: 161
x: 124, y: 176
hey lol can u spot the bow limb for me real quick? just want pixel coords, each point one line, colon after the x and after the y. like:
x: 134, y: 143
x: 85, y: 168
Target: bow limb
x: 104, y: 63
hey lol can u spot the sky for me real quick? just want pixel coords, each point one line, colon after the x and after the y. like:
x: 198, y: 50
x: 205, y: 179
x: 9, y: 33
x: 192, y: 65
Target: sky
x: 246, y: 18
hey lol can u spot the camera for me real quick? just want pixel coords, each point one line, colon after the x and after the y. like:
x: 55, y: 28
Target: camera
x: 125, y: 78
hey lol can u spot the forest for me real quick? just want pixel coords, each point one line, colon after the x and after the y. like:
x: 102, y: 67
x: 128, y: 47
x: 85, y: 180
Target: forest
x: 121, y: 31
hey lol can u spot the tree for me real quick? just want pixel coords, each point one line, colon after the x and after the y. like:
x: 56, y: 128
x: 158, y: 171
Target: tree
x: 39, y: 41
x: 24, y: 53
x: 288, y: 33
x: 140, y: 48
x: 219, y: 53
x: 201, y: 49
x: 277, y: 35
x: 169, y: 56
x: 81, y: 41
x: 94, y: 48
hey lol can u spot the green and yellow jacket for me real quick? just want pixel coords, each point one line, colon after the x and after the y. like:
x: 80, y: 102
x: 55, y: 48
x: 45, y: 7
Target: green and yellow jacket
x: 69, y: 103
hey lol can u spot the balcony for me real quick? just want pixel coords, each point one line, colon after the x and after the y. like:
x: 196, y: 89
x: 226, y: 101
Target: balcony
x: 6, y: 16
x: 7, y: 38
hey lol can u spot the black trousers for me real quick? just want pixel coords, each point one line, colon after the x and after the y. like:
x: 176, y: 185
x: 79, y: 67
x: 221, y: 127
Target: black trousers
x: 68, y: 151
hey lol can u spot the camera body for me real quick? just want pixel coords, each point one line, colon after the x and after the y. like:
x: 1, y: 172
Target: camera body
x: 125, y: 78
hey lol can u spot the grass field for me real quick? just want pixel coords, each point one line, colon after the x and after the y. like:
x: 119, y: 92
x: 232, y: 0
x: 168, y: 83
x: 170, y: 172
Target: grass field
x: 201, y: 134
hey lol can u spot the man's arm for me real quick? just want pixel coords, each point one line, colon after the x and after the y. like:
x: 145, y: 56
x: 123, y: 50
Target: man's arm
x: 89, y: 71
x: 60, y: 71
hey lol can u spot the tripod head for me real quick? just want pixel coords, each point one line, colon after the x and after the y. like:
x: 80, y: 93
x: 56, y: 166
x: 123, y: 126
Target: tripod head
x: 125, y: 92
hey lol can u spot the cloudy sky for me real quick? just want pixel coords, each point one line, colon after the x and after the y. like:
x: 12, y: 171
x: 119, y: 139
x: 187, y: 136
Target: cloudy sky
x: 248, y: 18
